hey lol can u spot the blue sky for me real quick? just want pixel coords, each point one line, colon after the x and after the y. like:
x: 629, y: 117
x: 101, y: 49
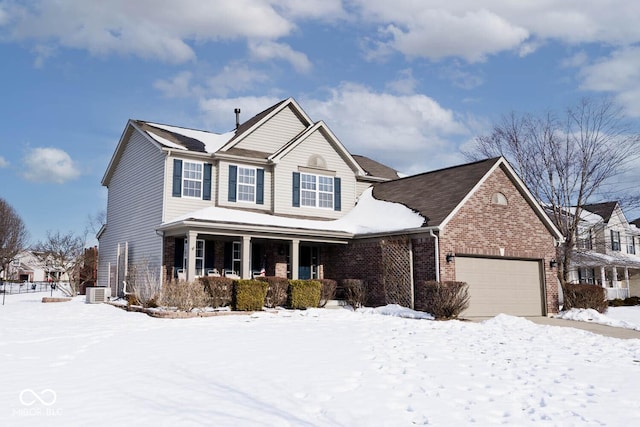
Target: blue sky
x: 408, y: 83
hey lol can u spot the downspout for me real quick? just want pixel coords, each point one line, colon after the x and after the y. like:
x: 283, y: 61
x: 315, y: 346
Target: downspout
x: 437, y: 252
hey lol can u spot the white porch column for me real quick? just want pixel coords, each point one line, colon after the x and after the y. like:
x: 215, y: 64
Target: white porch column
x: 603, y: 277
x: 295, y: 258
x: 191, y: 255
x: 626, y: 281
x: 615, y: 283
x: 246, y: 257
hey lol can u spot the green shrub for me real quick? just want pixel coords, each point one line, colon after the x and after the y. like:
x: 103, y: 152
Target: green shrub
x: 184, y: 295
x: 444, y: 300
x: 354, y: 292
x: 304, y: 293
x: 277, y: 290
x: 249, y: 295
x: 616, y: 302
x: 219, y: 289
x: 585, y: 296
x: 631, y: 301
x: 328, y: 291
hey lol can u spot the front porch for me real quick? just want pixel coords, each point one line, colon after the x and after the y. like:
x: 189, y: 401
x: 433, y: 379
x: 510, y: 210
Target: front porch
x: 618, y: 275
x: 199, y: 253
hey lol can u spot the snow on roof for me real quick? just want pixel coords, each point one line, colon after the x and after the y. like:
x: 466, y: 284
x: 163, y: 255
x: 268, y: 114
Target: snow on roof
x: 368, y: 216
x: 165, y: 141
x: 585, y: 215
x: 212, y: 141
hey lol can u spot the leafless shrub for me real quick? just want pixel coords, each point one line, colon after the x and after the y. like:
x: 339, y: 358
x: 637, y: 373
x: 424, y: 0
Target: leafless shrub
x: 184, y: 295
x: 145, y: 284
x: 276, y: 292
x: 354, y: 292
x: 328, y: 291
x: 585, y: 296
x: 13, y: 234
x: 219, y: 289
x: 444, y: 300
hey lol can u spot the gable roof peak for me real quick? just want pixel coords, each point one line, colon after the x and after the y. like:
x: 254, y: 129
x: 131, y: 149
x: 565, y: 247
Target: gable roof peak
x: 603, y: 209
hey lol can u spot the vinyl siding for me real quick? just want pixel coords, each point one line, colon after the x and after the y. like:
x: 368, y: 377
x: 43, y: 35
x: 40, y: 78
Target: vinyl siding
x: 176, y: 206
x: 275, y: 133
x: 316, y: 143
x: 223, y: 188
x: 134, y: 207
x: 361, y: 186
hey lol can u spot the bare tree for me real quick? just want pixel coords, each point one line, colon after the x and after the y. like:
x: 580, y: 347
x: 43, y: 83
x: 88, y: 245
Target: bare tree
x: 13, y: 234
x: 566, y: 161
x: 65, y: 251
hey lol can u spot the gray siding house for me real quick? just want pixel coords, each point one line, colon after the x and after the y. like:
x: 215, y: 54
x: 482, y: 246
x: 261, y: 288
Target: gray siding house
x: 281, y: 196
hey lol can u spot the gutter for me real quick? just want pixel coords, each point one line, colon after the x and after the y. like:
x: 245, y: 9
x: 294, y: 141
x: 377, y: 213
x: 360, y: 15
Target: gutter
x: 437, y: 252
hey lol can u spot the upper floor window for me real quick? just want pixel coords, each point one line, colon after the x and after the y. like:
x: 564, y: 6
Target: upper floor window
x: 246, y: 184
x: 631, y: 245
x: 584, y: 239
x: 615, y: 240
x: 192, y: 179
x: 316, y: 191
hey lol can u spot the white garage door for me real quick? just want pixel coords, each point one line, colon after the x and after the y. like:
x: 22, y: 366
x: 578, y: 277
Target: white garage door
x: 501, y: 286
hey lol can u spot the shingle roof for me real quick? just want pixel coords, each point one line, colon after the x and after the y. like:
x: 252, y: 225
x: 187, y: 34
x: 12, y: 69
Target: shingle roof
x: 243, y: 127
x: 374, y: 168
x: 434, y: 194
x: 604, y: 209
x: 190, y: 144
x: 635, y: 222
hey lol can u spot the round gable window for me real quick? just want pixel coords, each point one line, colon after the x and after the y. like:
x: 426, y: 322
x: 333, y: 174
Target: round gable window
x: 499, y: 199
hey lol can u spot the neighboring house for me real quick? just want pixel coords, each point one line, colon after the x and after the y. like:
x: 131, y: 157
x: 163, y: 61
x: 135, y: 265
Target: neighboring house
x: 607, y: 251
x: 281, y: 194
x: 31, y: 266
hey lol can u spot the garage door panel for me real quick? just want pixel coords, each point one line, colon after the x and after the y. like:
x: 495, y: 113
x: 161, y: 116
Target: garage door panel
x: 501, y: 286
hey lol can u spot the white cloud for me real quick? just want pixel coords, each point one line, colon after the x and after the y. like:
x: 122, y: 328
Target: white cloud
x: 267, y: 50
x: 157, y: 29
x: 49, y: 165
x: 179, y: 86
x: 235, y: 78
x: 472, y: 30
x: 405, y: 84
x: 3, y: 162
x: 619, y: 74
x: 412, y: 133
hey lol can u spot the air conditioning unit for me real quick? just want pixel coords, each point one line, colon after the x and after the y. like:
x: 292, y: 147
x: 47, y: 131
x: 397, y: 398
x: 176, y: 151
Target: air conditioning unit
x: 96, y: 295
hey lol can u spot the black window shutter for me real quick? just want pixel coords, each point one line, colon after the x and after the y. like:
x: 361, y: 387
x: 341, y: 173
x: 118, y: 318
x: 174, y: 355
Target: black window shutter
x: 209, y: 255
x: 206, y: 182
x: 179, y: 252
x: 233, y: 178
x: 337, y: 197
x: 296, y: 189
x: 260, y: 186
x: 177, y: 178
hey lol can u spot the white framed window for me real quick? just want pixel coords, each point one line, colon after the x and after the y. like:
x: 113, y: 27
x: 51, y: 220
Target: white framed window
x: 192, y: 179
x: 316, y: 191
x: 236, y: 258
x: 631, y: 245
x: 615, y: 240
x: 246, y: 184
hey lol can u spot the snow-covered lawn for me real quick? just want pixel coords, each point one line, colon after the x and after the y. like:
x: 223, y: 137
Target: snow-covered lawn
x: 619, y: 317
x: 75, y: 364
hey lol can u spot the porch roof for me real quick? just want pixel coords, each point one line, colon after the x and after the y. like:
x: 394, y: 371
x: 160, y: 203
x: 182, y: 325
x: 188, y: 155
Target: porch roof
x: 596, y: 259
x: 369, y: 216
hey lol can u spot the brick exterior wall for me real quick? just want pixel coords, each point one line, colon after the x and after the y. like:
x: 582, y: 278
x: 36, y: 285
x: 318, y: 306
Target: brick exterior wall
x: 512, y: 231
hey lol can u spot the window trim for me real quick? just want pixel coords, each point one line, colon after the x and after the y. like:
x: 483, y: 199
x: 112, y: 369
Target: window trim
x: 615, y: 241
x: 254, y: 185
x: 317, y: 191
x: 183, y: 180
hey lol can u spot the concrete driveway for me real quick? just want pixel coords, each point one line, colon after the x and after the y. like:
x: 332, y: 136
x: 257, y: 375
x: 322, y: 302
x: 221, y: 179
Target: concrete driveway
x: 596, y: 328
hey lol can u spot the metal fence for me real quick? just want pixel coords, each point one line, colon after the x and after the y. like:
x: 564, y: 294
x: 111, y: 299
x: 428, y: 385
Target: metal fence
x: 13, y: 288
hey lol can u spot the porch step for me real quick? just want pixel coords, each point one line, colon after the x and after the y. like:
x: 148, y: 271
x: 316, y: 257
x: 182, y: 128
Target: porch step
x: 335, y: 303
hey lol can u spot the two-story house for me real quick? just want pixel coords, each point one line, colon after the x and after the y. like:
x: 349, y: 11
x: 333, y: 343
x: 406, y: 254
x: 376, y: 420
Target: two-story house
x: 607, y: 251
x: 281, y: 195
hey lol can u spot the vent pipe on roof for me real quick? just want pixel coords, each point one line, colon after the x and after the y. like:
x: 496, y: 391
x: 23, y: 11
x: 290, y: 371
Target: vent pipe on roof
x: 237, y: 111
